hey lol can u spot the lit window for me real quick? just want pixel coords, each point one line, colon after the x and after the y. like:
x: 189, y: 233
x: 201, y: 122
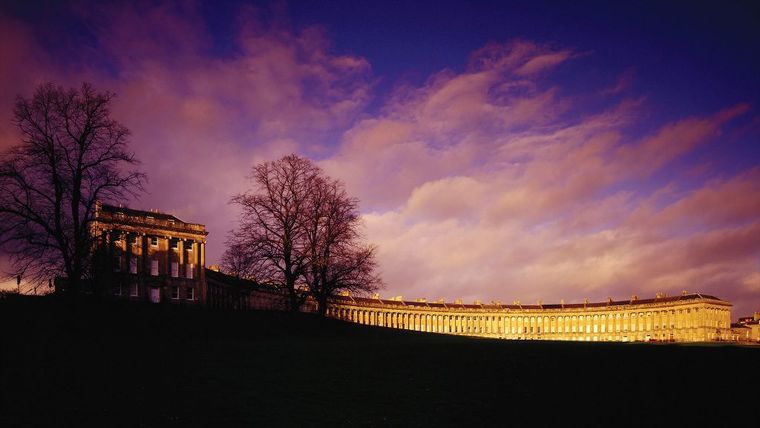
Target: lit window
x: 175, y: 269
x: 189, y: 269
x: 133, y: 265
x: 154, y: 267
x: 175, y: 292
x: 133, y: 290
x: 154, y: 241
x: 191, y: 293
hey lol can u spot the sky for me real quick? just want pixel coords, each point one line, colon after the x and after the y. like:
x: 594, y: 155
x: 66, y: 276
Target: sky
x: 513, y: 151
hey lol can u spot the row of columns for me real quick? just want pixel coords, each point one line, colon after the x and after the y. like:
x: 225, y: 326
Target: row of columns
x: 187, y: 252
x: 667, y: 324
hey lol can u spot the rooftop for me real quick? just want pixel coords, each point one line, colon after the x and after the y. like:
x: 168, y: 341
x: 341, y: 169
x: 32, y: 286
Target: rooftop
x: 130, y: 216
x: 666, y: 299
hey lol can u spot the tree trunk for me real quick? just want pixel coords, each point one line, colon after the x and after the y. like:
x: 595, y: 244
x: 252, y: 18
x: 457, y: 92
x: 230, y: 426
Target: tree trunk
x: 322, y: 303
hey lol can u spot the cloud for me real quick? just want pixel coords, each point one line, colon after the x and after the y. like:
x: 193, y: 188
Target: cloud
x: 481, y: 187
x: 199, y: 120
x: 624, y: 82
x: 495, y: 182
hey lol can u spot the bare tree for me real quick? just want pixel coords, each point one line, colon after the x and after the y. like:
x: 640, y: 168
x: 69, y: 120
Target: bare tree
x: 72, y: 154
x: 337, y: 260
x: 272, y: 228
x: 299, y: 231
x: 238, y: 260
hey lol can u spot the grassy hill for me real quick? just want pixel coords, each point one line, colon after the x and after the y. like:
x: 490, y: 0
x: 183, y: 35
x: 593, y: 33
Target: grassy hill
x: 118, y: 364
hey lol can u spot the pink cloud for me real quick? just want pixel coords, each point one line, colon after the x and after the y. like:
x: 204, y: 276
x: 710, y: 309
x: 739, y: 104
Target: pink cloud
x: 200, y: 123
x: 490, y: 183
x: 542, y: 62
x: 465, y: 205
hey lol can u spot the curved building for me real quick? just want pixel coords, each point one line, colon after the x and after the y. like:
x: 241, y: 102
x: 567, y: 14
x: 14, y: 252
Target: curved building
x: 683, y: 318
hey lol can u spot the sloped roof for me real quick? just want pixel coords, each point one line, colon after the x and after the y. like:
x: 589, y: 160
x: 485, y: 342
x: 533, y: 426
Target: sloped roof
x: 138, y: 213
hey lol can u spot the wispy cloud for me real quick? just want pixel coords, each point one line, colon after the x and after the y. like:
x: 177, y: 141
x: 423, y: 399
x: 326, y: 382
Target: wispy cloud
x: 489, y: 183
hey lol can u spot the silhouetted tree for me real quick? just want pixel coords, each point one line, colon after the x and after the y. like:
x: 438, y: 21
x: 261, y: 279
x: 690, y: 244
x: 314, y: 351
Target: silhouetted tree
x: 337, y: 259
x: 72, y: 154
x: 238, y: 260
x: 272, y: 224
x: 299, y: 232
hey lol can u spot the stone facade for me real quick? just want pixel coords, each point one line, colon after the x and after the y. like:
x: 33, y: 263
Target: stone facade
x: 232, y: 293
x: 684, y: 318
x: 150, y: 256
x: 747, y: 329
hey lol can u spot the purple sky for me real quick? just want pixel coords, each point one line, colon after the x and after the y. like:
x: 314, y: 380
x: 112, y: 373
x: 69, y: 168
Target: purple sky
x: 530, y: 151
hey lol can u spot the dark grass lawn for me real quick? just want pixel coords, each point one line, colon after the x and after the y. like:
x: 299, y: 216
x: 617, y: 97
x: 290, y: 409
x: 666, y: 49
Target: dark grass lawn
x: 115, y: 364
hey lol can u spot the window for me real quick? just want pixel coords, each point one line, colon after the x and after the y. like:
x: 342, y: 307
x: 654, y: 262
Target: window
x: 189, y: 245
x: 133, y: 290
x: 132, y: 239
x: 117, y: 290
x: 133, y: 265
x: 175, y: 292
x: 175, y: 269
x: 191, y: 293
x: 189, y: 269
x: 154, y: 267
x: 154, y: 241
x: 174, y: 244
x: 116, y: 263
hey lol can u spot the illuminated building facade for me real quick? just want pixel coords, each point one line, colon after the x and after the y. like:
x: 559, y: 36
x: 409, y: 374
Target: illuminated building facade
x: 150, y: 256
x: 747, y: 329
x: 683, y: 318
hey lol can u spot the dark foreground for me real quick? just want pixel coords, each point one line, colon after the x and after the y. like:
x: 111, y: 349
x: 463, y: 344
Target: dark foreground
x: 99, y: 364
